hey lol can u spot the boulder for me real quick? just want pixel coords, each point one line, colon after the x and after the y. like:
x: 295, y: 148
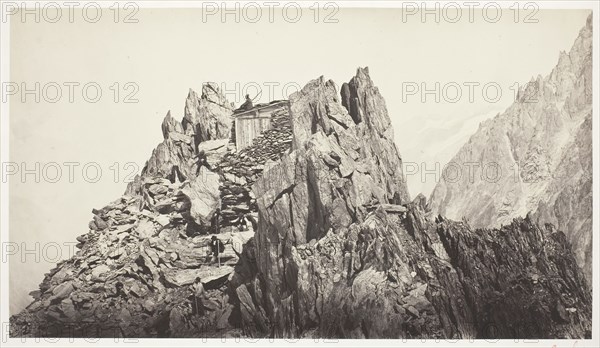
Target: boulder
x: 63, y: 290
x: 207, y: 274
x: 99, y: 272
x: 145, y: 229
x: 202, y: 197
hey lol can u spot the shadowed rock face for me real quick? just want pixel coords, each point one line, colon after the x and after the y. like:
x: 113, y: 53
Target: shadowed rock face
x: 538, y: 155
x: 338, y: 251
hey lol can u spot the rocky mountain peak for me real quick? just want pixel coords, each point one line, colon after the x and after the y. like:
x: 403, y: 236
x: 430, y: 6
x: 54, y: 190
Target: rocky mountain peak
x: 354, y: 98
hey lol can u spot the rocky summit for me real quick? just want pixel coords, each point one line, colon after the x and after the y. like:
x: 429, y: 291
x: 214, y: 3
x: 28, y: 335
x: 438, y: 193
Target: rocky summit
x: 320, y: 235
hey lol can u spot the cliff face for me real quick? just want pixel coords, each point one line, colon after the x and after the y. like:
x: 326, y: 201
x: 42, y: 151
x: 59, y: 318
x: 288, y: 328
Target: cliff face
x: 534, y: 157
x: 320, y: 238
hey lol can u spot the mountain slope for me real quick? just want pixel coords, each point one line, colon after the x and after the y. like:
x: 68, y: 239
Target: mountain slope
x: 534, y: 157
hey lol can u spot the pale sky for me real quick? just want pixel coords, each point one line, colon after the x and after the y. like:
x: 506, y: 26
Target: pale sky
x: 171, y: 50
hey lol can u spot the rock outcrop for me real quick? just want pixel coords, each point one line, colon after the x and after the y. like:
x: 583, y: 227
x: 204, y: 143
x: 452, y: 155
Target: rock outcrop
x: 321, y: 240
x: 206, y: 118
x: 535, y: 157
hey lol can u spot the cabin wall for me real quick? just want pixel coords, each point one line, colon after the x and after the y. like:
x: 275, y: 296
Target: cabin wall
x: 246, y: 129
x: 251, y: 124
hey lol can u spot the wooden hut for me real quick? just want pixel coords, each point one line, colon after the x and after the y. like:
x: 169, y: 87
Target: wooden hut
x: 252, y: 123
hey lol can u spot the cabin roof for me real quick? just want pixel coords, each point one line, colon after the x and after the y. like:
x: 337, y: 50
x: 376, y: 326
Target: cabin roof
x: 261, y: 106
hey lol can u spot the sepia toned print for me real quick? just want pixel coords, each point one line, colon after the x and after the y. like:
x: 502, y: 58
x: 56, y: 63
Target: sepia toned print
x: 319, y: 195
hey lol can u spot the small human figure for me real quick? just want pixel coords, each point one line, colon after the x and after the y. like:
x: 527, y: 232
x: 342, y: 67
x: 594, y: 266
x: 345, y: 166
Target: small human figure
x: 216, y: 220
x: 198, y: 290
x: 202, y: 161
x: 247, y: 104
x: 217, y: 247
x: 347, y: 263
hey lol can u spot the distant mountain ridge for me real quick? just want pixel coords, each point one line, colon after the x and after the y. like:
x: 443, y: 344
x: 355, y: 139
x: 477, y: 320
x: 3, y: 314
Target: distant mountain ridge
x: 542, y: 148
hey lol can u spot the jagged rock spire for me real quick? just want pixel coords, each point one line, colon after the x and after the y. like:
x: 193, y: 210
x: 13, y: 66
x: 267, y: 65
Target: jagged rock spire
x: 171, y: 125
x: 207, y: 117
